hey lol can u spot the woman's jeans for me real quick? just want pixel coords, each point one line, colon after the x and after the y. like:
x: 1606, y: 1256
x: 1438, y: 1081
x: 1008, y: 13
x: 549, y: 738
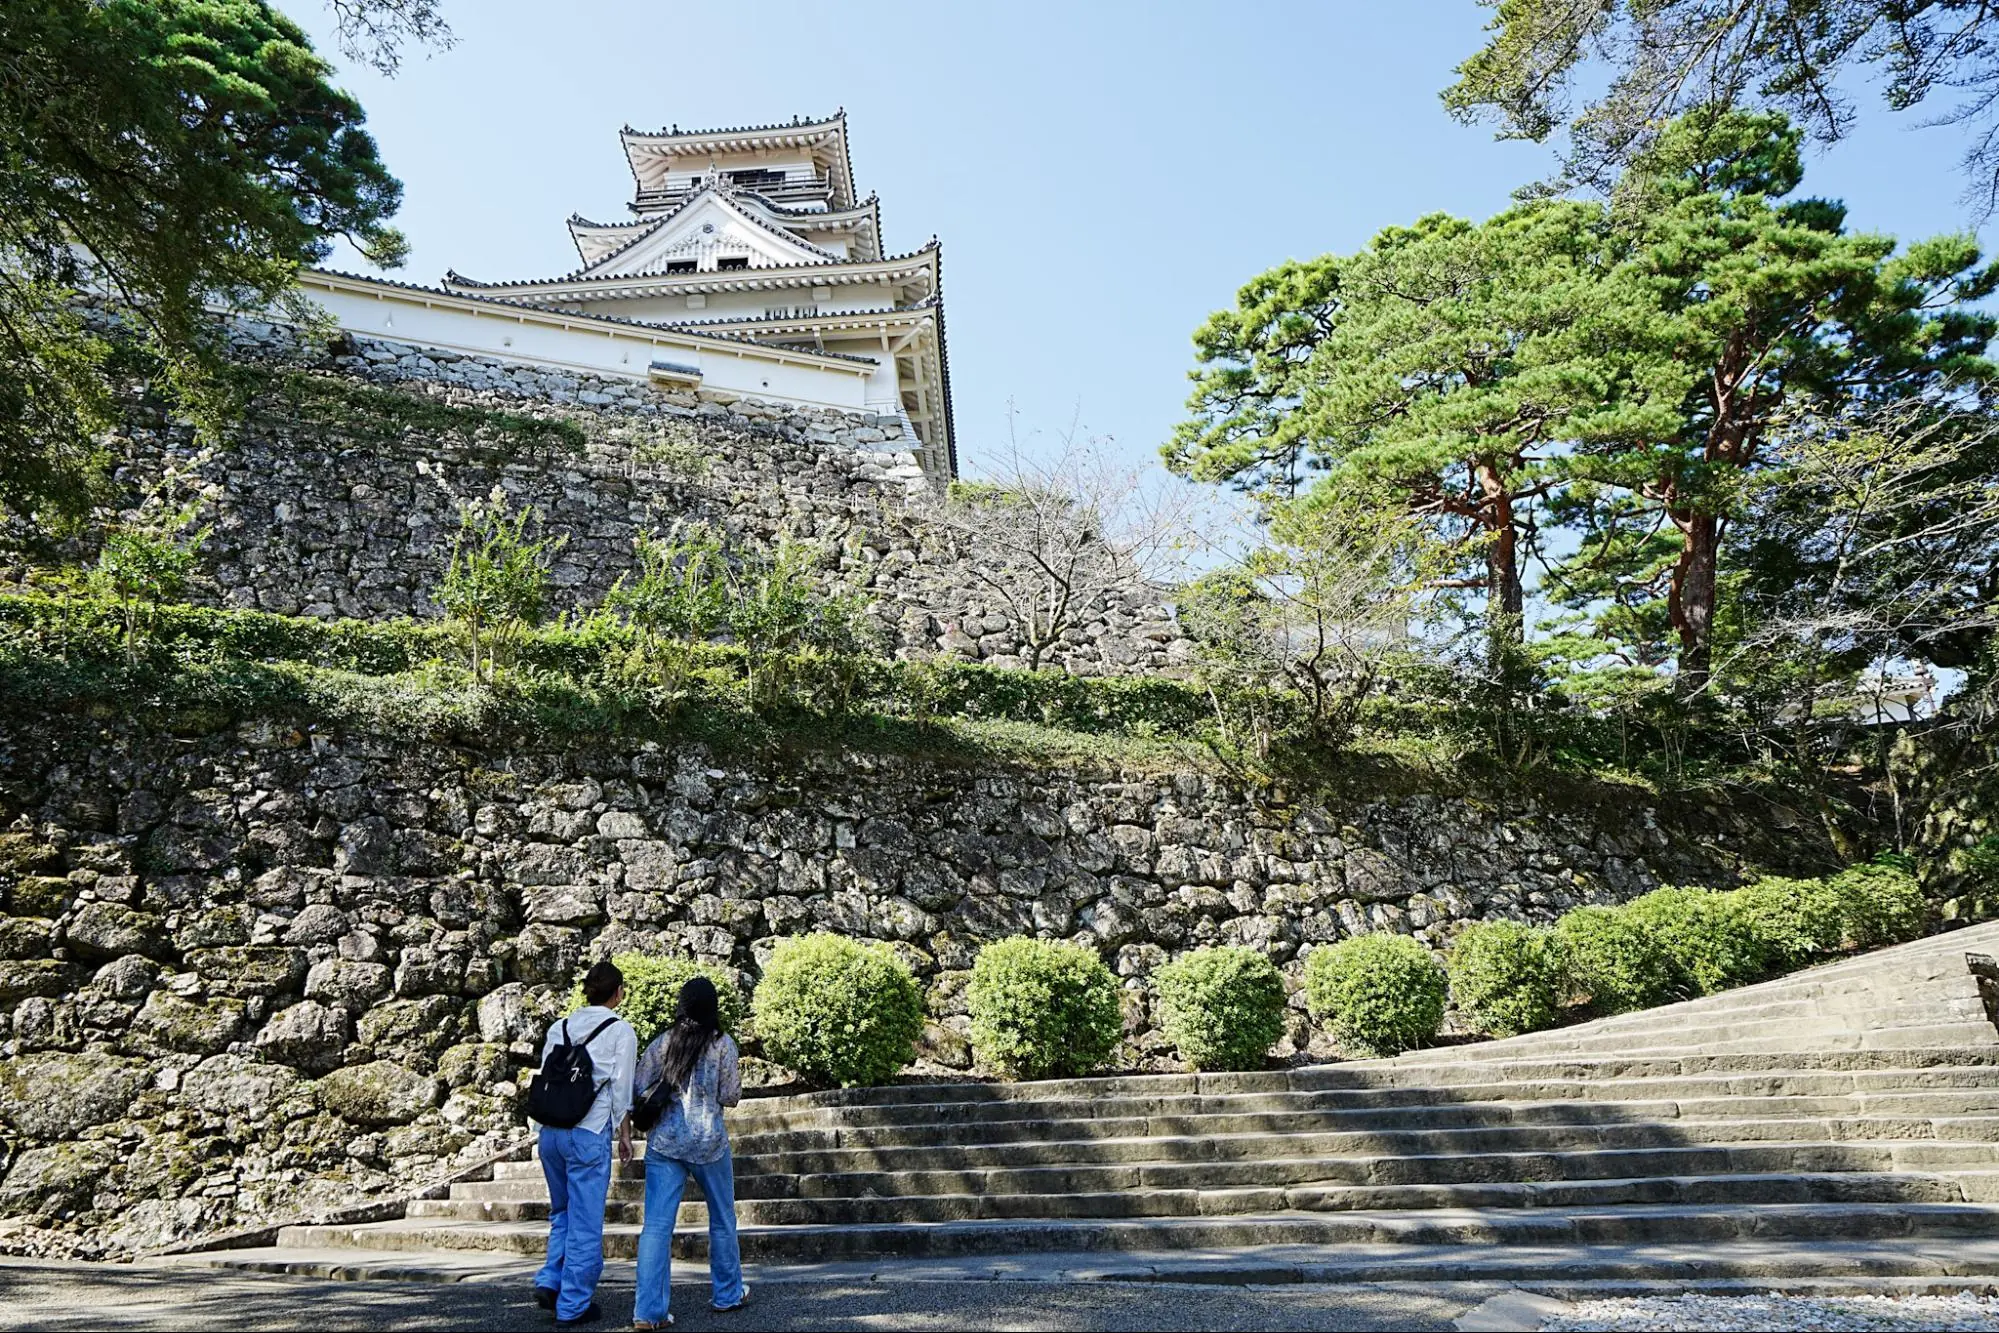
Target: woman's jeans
x: 665, y: 1182
x: 577, y: 1165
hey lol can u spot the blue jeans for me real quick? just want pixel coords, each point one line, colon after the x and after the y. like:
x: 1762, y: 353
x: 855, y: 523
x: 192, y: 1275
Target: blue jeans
x: 665, y: 1182
x: 577, y: 1164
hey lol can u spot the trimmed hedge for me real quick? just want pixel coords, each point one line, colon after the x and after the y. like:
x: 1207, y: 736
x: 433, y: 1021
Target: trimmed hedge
x: 1798, y: 919
x: 1507, y: 978
x: 1711, y: 938
x: 1042, y: 1009
x: 1884, y: 904
x: 836, y: 1011
x: 652, y: 992
x: 1223, y: 1008
x: 1613, y: 962
x: 1380, y: 993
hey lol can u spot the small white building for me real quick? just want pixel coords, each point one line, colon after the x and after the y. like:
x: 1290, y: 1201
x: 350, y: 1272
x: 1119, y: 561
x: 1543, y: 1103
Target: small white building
x: 749, y: 269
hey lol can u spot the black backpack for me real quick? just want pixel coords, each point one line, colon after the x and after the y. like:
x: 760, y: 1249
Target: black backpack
x: 566, y: 1086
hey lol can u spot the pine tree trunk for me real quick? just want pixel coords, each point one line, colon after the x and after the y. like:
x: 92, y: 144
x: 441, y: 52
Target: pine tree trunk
x: 1693, y: 599
x: 1506, y: 599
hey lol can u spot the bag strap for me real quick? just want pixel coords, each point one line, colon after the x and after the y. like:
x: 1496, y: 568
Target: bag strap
x: 594, y: 1032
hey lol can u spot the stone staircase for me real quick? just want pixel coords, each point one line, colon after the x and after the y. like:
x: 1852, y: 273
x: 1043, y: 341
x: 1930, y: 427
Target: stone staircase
x: 1852, y: 1105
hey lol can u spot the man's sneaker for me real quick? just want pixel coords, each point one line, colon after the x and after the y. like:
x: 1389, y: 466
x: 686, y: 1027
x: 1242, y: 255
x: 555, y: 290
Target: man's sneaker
x: 545, y: 1297
x: 591, y: 1314
x: 741, y: 1301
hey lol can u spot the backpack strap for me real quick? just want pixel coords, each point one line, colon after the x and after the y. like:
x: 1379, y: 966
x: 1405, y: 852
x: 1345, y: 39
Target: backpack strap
x: 594, y: 1032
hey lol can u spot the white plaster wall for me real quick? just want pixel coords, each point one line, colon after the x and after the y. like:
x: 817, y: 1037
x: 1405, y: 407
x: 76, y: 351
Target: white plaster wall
x: 404, y: 317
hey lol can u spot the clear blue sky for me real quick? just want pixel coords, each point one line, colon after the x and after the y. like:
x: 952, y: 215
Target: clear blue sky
x: 1102, y: 175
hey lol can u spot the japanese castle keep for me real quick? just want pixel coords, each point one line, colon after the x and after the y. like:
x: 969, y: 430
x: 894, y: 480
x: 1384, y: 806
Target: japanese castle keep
x: 749, y: 269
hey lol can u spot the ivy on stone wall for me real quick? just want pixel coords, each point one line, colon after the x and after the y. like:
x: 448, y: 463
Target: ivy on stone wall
x: 370, y: 414
x: 588, y: 679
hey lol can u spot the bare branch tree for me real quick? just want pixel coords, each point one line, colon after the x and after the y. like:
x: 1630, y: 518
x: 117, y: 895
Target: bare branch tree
x: 1879, y: 561
x: 374, y: 32
x: 1318, y: 613
x: 1056, y: 542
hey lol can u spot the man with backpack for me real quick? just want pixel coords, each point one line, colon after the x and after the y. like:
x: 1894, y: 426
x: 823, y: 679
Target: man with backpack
x: 579, y: 1098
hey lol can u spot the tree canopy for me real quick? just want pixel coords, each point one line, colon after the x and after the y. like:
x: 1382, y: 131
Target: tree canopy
x: 161, y: 157
x: 1440, y: 366
x: 1667, y: 57
x: 1611, y: 369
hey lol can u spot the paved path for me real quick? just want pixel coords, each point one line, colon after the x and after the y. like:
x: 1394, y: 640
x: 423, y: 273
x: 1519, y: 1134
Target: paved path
x: 48, y: 1296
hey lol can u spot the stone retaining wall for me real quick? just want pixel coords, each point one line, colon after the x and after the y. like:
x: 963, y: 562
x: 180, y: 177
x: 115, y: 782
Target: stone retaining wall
x: 251, y: 974
x: 310, y: 521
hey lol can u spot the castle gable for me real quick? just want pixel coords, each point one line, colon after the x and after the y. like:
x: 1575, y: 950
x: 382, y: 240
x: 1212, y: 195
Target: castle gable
x: 710, y: 231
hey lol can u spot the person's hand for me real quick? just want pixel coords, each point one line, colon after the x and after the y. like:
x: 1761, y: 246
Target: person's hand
x: 625, y: 1145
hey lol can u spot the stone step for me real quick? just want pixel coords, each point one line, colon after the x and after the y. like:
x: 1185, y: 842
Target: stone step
x: 1082, y: 1204
x: 752, y: 1169
x: 1959, y: 998
x: 1439, y: 1072
x: 1775, y: 1037
x: 1637, y: 1223
x: 1804, y: 1018
x: 1413, y: 1168
x: 752, y: 1119
x: 1923, y: 1108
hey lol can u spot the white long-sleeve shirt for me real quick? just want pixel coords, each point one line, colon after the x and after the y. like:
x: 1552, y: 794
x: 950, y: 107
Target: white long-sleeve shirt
x: 614, y: 1055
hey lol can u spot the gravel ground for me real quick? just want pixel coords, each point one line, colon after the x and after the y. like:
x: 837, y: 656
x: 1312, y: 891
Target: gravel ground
x: 1834, y: 1314
x: 73, y: 1298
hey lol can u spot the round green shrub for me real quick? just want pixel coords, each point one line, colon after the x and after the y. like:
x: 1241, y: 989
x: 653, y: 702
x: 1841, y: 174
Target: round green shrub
x: 1041, y: 1008
x: 837, y: 1011
x: 1612, y: 961
x: 652, y: 990
x: 1380, y: 993
x: 1506, y: 977
x: 1883, y: 905
x: 1223, y: 1008
x: 1799, y: 919
x: 1710, y: 937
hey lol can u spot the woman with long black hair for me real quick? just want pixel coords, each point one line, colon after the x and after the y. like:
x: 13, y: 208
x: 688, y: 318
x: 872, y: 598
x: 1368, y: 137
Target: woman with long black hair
x: 689, y: 1074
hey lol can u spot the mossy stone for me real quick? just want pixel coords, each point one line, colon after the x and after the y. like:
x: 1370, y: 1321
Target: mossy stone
x: 190, y: 1027
x: 380, y: 1092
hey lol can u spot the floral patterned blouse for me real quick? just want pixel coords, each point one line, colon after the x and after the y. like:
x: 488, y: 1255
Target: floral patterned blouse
x: 691, y: 1129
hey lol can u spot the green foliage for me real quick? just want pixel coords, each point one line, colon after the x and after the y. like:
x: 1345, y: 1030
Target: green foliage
x: 565, y: 681
x: 1042, y: 1008
x: 147, y: 556
x: 1647, y: 60
x: 1373, y: 372
x: 1321, y: 610
x: 348, y: 409
x: 1976, y: 869
x: 497, y: 582
x: 1613, y: 960
x: 1507, y: 977
x: 1223, y: 1008
x: 837, y: 1012
x: 652, y: 991
x: 1883, y: 902
x: 1711, y: 940
x: 160, y: 154
x: 1799, y: 919
x: 681, y: 590
x: 1374, y: 375
x: 1380, y: 993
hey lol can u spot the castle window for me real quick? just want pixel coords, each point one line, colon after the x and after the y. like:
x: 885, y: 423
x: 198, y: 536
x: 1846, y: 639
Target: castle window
x: 732, y: 261
x: 679, y: 266
x: 756, y: 180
